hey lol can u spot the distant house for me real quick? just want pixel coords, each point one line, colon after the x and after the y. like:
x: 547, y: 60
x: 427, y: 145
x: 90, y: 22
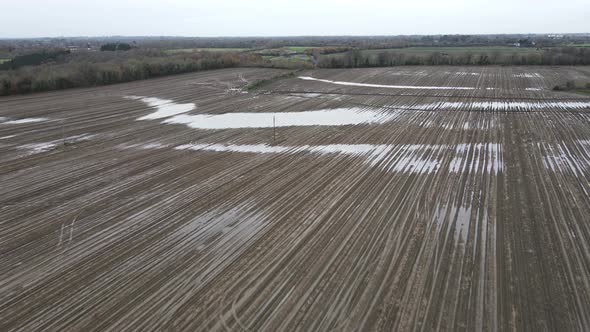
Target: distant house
x: 289, y: 53
x: 555, y: 36
x: 525, y: 43
x: 74, y: 48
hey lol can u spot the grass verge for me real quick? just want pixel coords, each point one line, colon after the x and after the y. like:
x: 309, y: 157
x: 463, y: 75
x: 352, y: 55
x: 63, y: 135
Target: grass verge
x: 259, y: 84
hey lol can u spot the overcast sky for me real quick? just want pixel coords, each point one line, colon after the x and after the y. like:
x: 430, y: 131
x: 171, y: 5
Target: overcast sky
x: 41, y: 18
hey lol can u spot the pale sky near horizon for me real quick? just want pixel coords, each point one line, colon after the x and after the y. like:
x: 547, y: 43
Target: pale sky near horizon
x: 42, y: 18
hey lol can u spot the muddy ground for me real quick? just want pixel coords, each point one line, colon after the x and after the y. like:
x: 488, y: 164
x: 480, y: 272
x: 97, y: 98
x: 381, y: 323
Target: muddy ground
x: 412, y: 198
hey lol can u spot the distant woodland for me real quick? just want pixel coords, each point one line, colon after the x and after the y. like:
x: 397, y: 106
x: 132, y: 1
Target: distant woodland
x: 34, y: 65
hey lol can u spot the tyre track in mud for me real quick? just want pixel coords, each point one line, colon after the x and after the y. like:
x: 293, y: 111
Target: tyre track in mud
x: 471, y: 220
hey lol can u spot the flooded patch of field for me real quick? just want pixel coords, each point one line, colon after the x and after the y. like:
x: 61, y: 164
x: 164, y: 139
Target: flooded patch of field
x: 564, y: 159
x: 462, y: 73
x: 330, y: 117
x: 404, y: 158
x: 387, y: 86
x: 23, y: 121
x: 164, y: 108
x: 409, y: 73
x: 499, y: 105
x: 34, y: 148
x: 528, y: 75
x: 372, y: 152
x: 235, y: 120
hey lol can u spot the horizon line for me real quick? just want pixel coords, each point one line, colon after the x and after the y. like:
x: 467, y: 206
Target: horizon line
x: 297, y: 36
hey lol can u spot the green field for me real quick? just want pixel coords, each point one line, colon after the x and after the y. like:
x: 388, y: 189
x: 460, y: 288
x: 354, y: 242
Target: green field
x: 288, y: 62
x: 456, y: 50
x: 279, y: 57
x: 298, y: 48
x: 582, y: 91
x: 190, y: 50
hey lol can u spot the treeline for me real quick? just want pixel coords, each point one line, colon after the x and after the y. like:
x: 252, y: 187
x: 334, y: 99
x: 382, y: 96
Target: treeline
x: 572, y: 86
x: 34, y: 59
x: 85, y: 73
x: 115, y: 47
x: 566, y: 56
x: 360, y: 42
x: 12, y: 47
x: 56, y: 69
x: 327, y: 50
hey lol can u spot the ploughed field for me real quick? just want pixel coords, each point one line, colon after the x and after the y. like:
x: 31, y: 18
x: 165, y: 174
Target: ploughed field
x: 412, y: 198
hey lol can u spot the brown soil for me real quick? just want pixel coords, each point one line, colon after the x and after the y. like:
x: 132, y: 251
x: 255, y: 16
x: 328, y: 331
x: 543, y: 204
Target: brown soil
x: 102, y: 234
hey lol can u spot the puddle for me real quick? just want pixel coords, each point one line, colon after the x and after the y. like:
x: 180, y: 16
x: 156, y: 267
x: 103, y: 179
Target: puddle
x: 412, y: 158
x: 23, y: 121
x: 307, y: 95
x: 164, y: 108
x: 143, y: 146
x: 497, y: 105
x: 534, y: 89
x: 409, y: 73
x: 369, y: 150
x: 528, y: 75
x: 154, y: 146
x: 462, y: 222
x: 404, y: 158
x: 417, y: 165
x: 367, y: 85
x: 468, y: 158
x: 459, y: 219
x: 35, y: 148
x: 558, y: 157
x: 462, y: 73
x: 237, y: 90
x: 331, y: 117
x: 253, y: 148
x: 325, y: 117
